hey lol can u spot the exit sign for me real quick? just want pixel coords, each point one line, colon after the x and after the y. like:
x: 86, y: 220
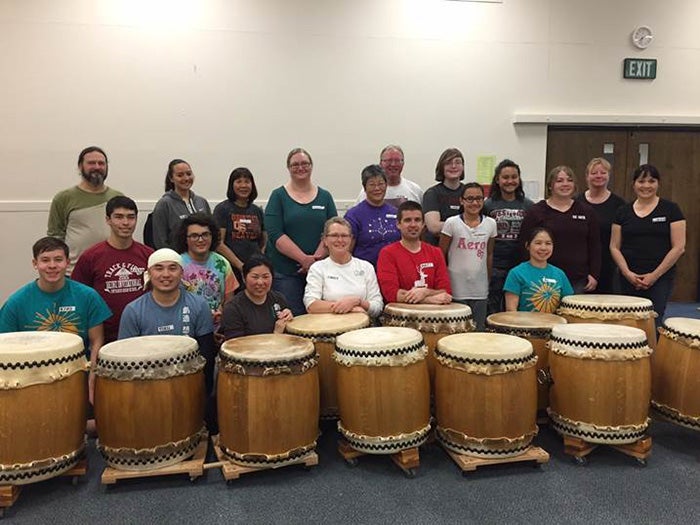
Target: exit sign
x: 644, y: 68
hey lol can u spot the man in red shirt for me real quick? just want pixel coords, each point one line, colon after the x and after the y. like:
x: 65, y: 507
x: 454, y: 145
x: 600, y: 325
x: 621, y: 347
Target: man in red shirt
x: 114, y: 268
x: 411, y: 271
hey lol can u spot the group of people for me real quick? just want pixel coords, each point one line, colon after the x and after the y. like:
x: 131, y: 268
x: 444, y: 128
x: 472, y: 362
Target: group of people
x: 241, y: 270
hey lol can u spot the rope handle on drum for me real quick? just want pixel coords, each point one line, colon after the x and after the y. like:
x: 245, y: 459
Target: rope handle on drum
x: 544, y: 377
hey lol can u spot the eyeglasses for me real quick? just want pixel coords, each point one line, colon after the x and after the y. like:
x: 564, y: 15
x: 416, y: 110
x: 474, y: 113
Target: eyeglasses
x: 391, y: 162
x: 373, y: 185
x: 454, y: 162
x: 471, y: 198
x: 299, y: 165
x: 205, y: 236
x: 339, y: 235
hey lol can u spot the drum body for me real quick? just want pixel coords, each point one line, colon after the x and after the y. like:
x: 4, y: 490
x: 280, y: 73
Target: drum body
x: 322, y: 329
x: 486, y: 394
x: 268, y: 399
x: 43, y: 405
x: 383, y: 389
x: 149, y: 401
x: 434, y: 321
x: 675, y: 368
x: 624, y: 310
x: 536, y: 327
x: 601, y: 382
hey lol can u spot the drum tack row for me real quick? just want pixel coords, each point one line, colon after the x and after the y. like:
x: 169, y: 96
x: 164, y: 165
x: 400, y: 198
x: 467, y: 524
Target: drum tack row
x: 595, y: 382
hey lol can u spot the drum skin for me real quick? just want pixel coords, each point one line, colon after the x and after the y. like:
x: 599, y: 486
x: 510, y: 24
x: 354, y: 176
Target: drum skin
x: 269, y: 419
x: 676, y: 372
x: 536, y: 327
x: 597, y: 311
x: 384, y: 405
x: 475, y: 411
x: 322, y: 329
x: 43, y: 405
x: 433, y: 321
x: 606, y: 398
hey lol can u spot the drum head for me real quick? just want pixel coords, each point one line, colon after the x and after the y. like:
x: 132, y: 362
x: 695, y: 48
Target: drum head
x: 18, y: 347
x: 148, y: 347
x: 428, y: 310
x: 534, y: 320
x: 586, y: 336
x: 268, y: 348
x: 484, y: 346
x: 684, y: 326
x: 379, y: 339
x: 325, y: 324
x: 604, y: 302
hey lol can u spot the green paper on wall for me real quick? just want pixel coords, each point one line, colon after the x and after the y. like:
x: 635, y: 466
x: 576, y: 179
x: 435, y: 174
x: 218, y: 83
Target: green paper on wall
x: 485, y: 165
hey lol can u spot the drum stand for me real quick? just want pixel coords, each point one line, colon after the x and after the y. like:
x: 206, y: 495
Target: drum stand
x: 407, y: 460
x: 579, y: 449
x: 10, y: 493
x: 471, y: 463
x: 231, y: 470
x: 194, y: 467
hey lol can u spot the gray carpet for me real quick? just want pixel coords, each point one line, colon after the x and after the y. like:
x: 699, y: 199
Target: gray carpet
x: 611, y: 488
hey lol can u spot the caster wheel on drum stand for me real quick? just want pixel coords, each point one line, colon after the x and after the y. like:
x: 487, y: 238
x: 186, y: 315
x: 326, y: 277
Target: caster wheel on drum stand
x: 229, y: 482
x: 641, y: 462
x: 580, y: 461
x: 193, y: 479
x: 410, y: 473
x: 75, y: 480
x: 352, y: 462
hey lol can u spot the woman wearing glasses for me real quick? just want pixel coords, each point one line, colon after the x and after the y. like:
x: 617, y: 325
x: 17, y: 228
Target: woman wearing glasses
x: 205, y: 272
x: 341, y: 283
x: 294, y: 217
x: 442, y: 200
x: 467, y: 242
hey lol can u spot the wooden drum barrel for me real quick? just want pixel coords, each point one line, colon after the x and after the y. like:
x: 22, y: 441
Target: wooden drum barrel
x: 536, y: 327
x: 322, y: 329
x: 43, y: 405
x: 624, y: 310
x: 601, y: 382
x: 675, y: 368
x: 486, y: 394
x: 149, y: 401
x: 434, y: 321
x: 383, y: 389
x: 268, y: 399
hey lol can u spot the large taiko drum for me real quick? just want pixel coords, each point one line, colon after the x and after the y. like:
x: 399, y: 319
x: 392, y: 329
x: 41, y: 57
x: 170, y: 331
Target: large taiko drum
x: 601, y: 379
x: 486, y: 394
x: 268, y: 399
x: 43, y: 405
x: 322, y: 329
x: 383, y: 389
x: 434, y: 321
x: 149, y: 401
x: 675, y: 368
x: 536, y: 327
x: 624, y: 310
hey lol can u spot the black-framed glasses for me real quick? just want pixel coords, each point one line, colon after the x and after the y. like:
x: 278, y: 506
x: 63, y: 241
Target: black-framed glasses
x: 205, y: 236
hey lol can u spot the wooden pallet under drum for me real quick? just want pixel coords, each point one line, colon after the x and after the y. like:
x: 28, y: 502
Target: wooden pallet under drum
x: 579, y: 449
x: 471, y: 463
x: 10, y: 493
x: 407, y: 460
x: 231, y: 470
x: 193, y: 467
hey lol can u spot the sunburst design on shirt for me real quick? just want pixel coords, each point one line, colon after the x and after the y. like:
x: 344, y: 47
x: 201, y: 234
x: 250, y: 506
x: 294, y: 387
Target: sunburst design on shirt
x: 53, y: 322
x: 544, y: 298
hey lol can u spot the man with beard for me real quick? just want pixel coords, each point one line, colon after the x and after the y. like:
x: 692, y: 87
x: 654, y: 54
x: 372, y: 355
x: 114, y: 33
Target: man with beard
x: 76, y: 214
x: 114, y: 268
x: 399, y: 189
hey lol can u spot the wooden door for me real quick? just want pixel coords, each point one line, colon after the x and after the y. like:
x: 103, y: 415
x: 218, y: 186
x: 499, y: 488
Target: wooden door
x: 675, y: 152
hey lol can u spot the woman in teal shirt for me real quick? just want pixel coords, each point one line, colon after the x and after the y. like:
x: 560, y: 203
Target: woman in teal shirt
x: 294, y: 217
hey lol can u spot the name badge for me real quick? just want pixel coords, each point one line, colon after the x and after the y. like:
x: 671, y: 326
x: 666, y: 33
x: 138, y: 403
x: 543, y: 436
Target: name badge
x: 659, y: 219
x: 390, y: 215
x: 62, y: 309
x: 166, y: 328
x: 579, y: 217
x: 317, y: 207
x: 454, y: 207
x: 245, y: 221
x: 548, y: 280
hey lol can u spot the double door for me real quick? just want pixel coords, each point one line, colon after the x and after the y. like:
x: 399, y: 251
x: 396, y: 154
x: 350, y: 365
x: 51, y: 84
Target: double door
x: 674, y: 151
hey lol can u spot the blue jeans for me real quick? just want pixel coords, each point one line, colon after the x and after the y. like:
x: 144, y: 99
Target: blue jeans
x: 292, y: 287
x: 496, y: 303
x: 478, y: 307
x: 657, y: 294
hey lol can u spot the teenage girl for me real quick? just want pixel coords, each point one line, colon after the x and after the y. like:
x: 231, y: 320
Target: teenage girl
x: 536, y: 285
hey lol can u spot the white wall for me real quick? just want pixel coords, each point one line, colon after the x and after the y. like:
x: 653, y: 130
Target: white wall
x: 240, y: 82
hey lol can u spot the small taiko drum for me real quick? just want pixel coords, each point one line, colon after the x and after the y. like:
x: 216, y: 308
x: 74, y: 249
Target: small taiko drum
x: 601, y: 382
x: 486, y: 394
x: 268, y: 399
x: 322, y: 329
x: 383, y: 389
x: 675, y: 368
x: 43, y: 405
x: 625, y: 310
x: 536, y: 327
x: 149, y: 401
x: 434, y: 321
